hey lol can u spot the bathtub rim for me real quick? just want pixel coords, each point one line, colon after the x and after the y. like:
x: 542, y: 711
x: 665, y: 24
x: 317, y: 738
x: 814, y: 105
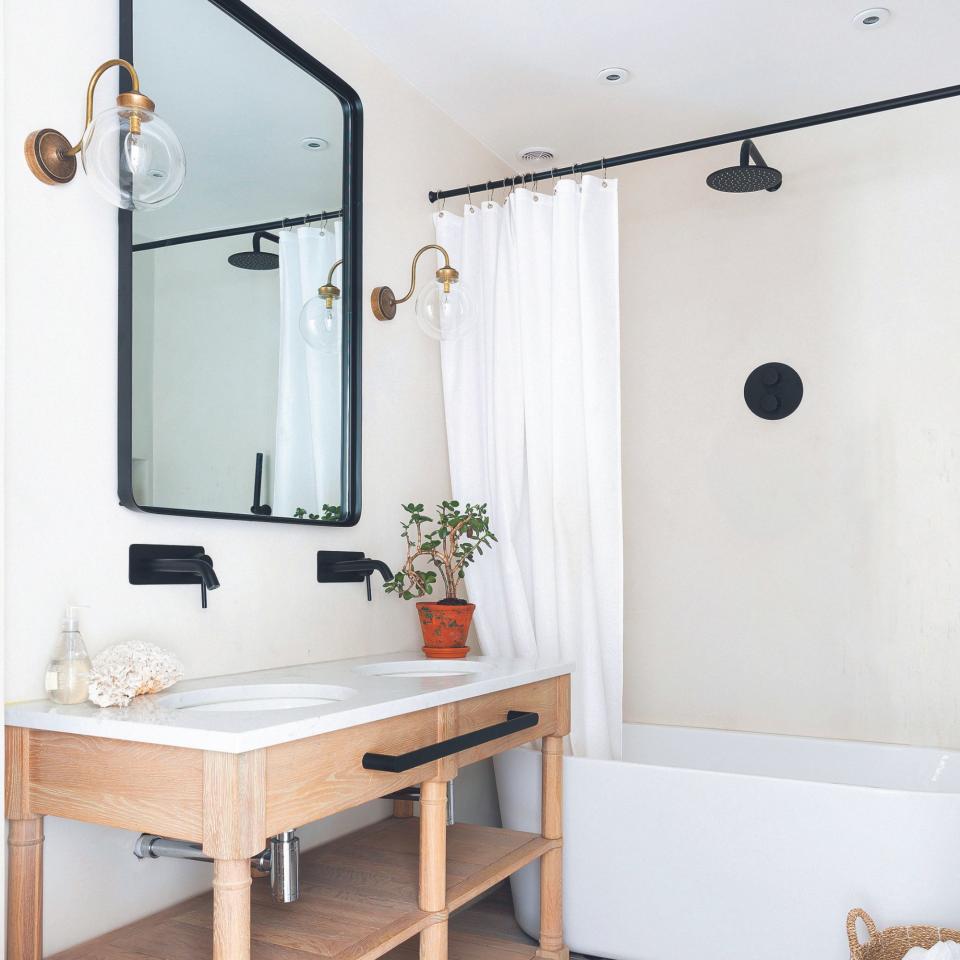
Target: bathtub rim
x: 753, y: 734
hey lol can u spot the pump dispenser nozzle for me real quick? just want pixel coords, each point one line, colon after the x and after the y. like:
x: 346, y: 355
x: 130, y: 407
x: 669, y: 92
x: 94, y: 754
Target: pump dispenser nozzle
x: 71, y: 616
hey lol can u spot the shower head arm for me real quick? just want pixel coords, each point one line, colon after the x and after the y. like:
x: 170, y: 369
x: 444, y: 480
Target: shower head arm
x: 262, y: 234
x: 748, y: 152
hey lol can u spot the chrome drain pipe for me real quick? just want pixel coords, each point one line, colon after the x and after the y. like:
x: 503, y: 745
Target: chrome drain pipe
x: 285, y: 867
x: 281, y: 859
x: 149, y: 846
x: 413, y: 795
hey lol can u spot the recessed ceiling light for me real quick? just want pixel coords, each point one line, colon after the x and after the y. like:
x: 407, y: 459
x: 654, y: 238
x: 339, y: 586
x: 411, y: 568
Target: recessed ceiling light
x: 536, y: 154
x: 613, y: 75
x: 314, y: 143
x: 872, y: 18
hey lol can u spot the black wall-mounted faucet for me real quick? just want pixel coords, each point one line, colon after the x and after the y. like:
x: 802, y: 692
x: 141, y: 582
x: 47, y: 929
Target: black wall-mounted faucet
x: 349, y: 566
x: 152, y: 563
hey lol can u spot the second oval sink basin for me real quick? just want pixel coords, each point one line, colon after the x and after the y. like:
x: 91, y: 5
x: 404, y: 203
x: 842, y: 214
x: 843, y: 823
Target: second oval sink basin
x: 256, y: 697
x: 420, y: 668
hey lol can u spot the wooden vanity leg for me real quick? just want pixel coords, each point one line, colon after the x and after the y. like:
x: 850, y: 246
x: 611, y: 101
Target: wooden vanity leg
x: 433, y: 866
x: 231, y: 909
x: 403, y: 809
x: 25, y: 889
x: 24, y: 852
x: 234, y: 813
x: 551, y: 863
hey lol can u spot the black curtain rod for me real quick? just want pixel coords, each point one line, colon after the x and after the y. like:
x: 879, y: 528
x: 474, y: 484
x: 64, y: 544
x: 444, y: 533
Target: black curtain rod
x: 751, y: 133
x: 236, y: 231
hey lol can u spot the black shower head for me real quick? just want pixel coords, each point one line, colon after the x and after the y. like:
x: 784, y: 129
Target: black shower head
x: 256, y: 259
x: 746, y: 178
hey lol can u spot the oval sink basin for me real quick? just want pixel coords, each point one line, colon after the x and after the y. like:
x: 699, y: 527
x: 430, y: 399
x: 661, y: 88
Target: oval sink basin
x: 420, y: 668
x: 256, y: 697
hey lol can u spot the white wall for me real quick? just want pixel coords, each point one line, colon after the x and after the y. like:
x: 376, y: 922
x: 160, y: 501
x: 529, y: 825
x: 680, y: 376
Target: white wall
x: 67, y: 534
x: 800, y: 576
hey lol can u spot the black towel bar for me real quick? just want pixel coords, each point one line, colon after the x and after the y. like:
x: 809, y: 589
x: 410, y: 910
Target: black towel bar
x: 516, y: 721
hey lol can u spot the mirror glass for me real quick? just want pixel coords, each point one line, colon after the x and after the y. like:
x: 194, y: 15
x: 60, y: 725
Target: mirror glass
x: 232, y: 407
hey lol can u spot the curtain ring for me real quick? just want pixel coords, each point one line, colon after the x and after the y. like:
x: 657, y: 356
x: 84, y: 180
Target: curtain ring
x: 490, y: 195
x: 443, y: 204
x: 603, y: 171
x: 323, y: 223
x: 577, y: 175
x: 470, y: 200
x: 553, y: 178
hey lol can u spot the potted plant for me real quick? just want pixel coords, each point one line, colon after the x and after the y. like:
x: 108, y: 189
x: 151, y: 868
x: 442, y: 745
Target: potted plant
x: 449, y: 544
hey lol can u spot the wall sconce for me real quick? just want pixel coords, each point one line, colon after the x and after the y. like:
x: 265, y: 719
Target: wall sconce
x: 444, y: 307
x: 318, y: 325
x: 133, y: 158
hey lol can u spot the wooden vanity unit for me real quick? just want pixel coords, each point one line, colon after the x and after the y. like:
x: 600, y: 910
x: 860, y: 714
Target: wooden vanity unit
x: 361, y: 896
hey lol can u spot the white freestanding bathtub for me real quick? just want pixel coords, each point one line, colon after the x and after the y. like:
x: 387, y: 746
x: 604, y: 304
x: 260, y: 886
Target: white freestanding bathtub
x: 737, y: 846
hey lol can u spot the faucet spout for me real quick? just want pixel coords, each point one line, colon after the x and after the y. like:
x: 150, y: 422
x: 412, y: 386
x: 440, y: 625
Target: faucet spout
x: 366, y: 566
x: 160, y: 563
x: 202, y: 566
x: 336, y: 566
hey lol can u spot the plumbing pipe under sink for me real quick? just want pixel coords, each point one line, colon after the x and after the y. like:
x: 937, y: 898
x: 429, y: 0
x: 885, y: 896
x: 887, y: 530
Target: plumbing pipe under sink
x: 281, y: 859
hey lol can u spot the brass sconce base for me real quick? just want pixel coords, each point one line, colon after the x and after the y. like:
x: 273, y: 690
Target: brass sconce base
x: 47, y: 155
x: 384, y: 303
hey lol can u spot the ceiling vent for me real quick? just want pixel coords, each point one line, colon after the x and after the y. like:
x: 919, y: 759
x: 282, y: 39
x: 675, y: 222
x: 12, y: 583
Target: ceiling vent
x: 536, y: 155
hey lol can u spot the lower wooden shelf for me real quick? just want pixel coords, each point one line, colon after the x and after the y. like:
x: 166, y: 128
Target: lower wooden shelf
x: 358, y: 902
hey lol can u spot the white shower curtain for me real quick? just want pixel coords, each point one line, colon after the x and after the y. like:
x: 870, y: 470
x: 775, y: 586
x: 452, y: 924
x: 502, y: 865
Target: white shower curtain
x: 532, y: 401
x: 306, y: 468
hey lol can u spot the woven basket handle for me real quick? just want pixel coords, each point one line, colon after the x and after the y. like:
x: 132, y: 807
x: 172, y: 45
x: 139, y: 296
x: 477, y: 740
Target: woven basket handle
x: 852, y: 917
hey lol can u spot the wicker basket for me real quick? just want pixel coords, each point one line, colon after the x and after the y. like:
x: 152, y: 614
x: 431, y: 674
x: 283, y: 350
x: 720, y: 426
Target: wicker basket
x: 892, y: 944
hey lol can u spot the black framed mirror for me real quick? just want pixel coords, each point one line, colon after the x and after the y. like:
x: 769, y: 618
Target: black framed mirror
x: 232, y: 401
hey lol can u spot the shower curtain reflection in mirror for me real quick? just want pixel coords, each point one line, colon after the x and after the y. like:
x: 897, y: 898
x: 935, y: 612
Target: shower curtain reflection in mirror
x: 306, y: 470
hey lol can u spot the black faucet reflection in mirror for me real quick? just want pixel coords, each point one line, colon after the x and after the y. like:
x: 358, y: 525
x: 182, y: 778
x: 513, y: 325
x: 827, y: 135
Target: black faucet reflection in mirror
x: 260, y: 509
x: 154, y: 563
x: 349, y: 566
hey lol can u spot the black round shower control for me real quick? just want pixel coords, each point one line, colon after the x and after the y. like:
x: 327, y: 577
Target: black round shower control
x: 773, y: 391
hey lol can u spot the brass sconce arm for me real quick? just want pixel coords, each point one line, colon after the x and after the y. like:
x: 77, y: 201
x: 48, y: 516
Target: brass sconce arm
x: 328, y: 292
x: 132, y: 99
x: 383, y: 300
x: 48, y: 152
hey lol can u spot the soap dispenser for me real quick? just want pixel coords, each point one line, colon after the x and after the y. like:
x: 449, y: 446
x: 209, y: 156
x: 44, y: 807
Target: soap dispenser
x: 68, y: 673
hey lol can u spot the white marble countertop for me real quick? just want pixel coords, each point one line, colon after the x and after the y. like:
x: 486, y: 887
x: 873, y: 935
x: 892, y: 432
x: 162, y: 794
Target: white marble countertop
x: 167, y: 719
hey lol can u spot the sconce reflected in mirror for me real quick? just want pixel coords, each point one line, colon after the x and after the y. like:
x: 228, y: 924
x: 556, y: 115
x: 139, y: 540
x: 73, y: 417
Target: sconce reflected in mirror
x: 146, y: 171
x: 318, y: 324
x: 444, y: 307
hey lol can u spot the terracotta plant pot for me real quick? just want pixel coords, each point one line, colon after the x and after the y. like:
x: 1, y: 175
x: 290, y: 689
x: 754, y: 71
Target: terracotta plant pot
x: 445, y: 627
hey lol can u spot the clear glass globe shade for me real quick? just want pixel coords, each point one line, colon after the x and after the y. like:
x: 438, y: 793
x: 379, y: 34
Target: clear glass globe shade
x: 133, y: 170
x: 320, y: 326
x: 445, y: 316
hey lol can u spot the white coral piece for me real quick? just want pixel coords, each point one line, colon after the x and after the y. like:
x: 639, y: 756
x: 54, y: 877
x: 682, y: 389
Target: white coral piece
x: 127, y: 670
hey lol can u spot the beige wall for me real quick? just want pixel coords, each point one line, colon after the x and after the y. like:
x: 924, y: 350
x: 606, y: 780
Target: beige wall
x: 65, y: 531
x: 800, y: 576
